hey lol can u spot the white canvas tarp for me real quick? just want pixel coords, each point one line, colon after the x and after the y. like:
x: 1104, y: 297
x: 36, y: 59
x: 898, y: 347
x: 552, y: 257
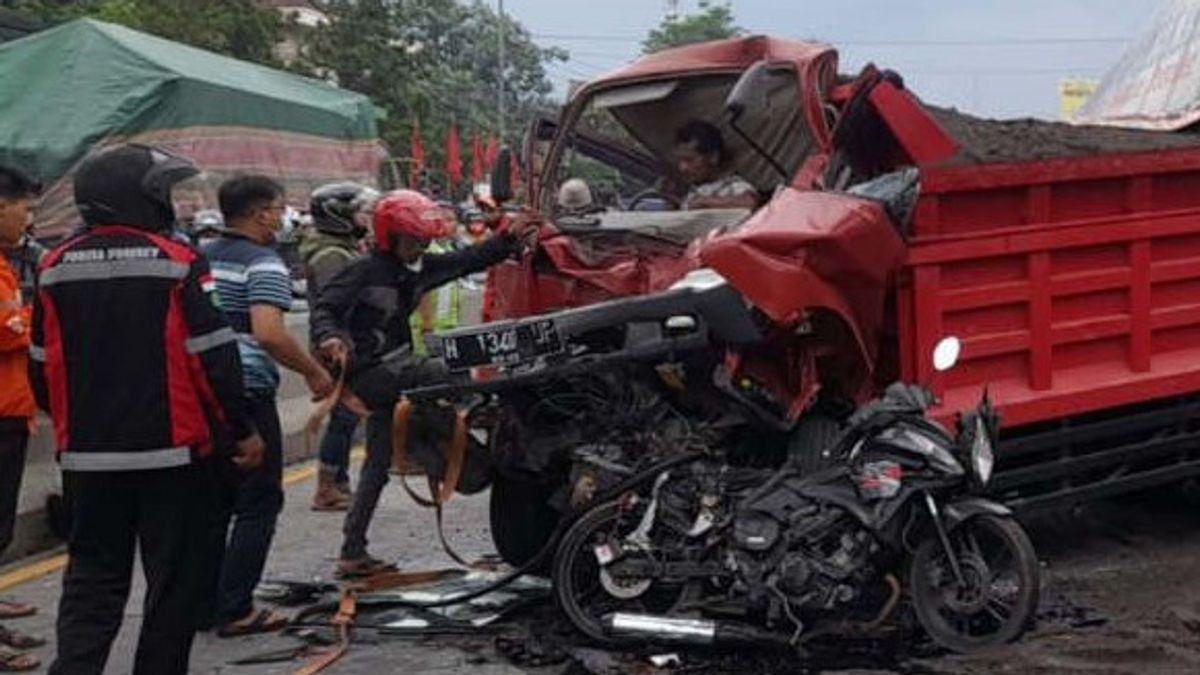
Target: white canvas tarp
x: 1156, y: 84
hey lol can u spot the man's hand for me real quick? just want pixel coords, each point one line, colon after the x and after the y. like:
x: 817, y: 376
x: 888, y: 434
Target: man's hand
x: 320, y: 383
x: 334, y: 351
x: 250, y: 452
x: 523, y: 227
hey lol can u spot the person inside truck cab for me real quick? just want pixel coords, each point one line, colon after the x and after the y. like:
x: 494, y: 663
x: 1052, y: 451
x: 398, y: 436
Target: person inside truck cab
x: 702, y: 159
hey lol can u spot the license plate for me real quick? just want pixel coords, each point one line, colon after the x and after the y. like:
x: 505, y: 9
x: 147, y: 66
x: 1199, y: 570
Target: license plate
x: 501, y: 346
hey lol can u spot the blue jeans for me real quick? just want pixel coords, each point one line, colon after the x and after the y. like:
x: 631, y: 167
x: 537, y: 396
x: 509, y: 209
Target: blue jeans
x: 335, y: 446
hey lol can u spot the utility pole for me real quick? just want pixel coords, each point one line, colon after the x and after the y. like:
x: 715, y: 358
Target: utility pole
x: 500, y: 101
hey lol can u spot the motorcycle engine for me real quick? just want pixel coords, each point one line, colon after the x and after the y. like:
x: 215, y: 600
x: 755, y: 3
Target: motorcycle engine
x: 814, y: 556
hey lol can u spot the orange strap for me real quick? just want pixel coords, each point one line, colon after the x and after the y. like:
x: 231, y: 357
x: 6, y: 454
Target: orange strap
x: 340, y: 395
x: 439, y: 492
x: 400, y: 416
x: 347, y: 608
x: 389, y: 580
x: 456, y: 457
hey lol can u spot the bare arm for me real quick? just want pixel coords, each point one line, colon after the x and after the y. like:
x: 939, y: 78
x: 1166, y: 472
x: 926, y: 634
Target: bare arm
x: 745, y: 200
x: 267, y: 325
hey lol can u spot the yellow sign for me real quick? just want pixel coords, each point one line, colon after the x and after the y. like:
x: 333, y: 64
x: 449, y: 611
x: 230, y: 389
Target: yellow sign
x: 1072, y: 94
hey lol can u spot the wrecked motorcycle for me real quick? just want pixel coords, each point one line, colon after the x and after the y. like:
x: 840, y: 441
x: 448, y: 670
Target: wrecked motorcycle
x: 709, y: 553
x: 693, y: 521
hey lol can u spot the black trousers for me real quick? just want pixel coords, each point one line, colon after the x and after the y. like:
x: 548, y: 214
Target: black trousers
x: 256, y: 500
x: 159, y: 511
x: 13, y: 443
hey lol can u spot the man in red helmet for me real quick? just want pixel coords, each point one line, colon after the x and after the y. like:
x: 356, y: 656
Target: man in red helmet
x: 361, y: 321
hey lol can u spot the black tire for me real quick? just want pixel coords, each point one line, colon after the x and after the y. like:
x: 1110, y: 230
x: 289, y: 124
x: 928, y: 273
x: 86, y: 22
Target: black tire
x: 566, y: 574
x: 949, y: 613
x: 522, y: 521
x: 809, y: 448
x: 576, y: 574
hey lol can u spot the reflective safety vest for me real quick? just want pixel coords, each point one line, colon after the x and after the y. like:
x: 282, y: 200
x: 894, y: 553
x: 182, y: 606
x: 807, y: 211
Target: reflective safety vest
x: 437, y: 311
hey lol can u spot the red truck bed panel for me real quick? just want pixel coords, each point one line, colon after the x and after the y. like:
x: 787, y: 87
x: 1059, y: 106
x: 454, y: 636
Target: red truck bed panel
x: 1074, y: 284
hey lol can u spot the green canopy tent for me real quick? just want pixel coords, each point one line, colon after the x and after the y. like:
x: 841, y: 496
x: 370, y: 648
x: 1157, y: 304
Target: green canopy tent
x: 84, y: 84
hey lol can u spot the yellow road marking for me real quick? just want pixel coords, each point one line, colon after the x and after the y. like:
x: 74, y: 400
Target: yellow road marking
x: 36, y: 570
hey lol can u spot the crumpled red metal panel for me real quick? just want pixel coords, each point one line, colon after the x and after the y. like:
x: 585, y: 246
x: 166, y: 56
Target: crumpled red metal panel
x: 814, y: 250
x: 620, y: 269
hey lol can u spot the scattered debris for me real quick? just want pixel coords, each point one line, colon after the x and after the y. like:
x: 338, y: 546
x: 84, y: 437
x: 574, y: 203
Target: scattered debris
x: 665, y: 660
x: 1062, y: 610
x: 530, y: 651
x: 292, y: 593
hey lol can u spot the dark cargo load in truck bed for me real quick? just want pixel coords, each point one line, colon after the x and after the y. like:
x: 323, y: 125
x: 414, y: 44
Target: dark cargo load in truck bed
x: 987, y: 141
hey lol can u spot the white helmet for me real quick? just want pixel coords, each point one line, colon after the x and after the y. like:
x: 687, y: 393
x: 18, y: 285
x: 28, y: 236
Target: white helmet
x: 575, y: 195
x: 208, y: 221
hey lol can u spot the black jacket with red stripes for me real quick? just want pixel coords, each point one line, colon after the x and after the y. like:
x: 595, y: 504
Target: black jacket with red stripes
x: 131, y: 355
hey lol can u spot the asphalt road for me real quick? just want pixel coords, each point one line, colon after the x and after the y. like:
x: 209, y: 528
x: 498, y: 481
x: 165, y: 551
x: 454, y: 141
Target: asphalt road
x: 1121, y: 595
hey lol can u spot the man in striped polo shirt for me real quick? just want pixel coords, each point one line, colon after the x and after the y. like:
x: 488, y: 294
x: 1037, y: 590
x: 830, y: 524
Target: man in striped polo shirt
x: 255, y: 290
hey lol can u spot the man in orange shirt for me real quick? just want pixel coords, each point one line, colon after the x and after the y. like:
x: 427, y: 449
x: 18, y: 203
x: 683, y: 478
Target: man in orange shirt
x: 16, y: 397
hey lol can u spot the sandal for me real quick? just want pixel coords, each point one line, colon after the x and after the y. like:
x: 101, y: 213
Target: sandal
x: 19, y: 640
x: 331, y: 499
x: 362, y: 568
x: 12, y: 662
x: 16, y: 610
x: 262, y: 621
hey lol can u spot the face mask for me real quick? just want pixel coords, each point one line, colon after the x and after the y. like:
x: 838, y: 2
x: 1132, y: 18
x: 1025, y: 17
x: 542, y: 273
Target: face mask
x: 287, y: 226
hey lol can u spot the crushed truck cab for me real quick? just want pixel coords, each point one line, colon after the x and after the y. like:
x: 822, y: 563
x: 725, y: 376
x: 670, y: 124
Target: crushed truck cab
x: 1066, y: 259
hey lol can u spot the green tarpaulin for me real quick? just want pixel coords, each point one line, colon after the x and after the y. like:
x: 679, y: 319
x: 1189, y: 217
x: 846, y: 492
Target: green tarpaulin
x: 65, y: 90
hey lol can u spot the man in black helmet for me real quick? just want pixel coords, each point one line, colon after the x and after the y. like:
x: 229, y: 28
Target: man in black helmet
x: 341, y: 214
x: 135, y: 364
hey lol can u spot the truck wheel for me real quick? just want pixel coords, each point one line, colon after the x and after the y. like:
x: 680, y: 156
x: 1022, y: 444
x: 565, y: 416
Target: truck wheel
x: 521, y: 519
x: 810, y: 446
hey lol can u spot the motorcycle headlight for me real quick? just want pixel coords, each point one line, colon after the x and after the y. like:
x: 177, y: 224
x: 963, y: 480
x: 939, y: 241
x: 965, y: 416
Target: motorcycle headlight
x: 983, y: 459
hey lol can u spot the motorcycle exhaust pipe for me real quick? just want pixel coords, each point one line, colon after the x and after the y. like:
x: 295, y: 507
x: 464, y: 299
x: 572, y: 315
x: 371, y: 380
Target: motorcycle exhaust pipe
x: 689, y: 631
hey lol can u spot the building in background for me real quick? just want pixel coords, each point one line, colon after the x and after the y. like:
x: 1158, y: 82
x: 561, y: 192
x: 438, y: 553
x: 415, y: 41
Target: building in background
x: 1073, y: 92
x: 299, y: 18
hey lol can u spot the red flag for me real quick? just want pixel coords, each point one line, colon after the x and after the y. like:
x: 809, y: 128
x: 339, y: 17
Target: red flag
x: 418, y: 156
x: 492, y: 152
x: 453, y: 157
x: 476, y: 159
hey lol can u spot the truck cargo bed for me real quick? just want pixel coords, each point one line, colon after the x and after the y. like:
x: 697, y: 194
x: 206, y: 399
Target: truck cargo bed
x: 1073, y: 282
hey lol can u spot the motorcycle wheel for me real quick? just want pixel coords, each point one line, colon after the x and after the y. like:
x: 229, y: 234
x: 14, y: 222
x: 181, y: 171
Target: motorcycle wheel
x: 521, y: 520
x: 1001, y: 591
x: 582, y: 595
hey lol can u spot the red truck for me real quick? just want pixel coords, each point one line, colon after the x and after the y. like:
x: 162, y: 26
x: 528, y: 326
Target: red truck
x: 1066, y: 259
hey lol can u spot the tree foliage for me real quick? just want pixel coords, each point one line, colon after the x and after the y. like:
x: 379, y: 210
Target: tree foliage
x: 242, y: 29
x: 436, y: 61
x: 710, y: 22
